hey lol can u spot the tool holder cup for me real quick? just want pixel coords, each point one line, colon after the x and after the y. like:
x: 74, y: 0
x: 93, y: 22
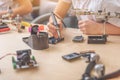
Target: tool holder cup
x: 38, y: 41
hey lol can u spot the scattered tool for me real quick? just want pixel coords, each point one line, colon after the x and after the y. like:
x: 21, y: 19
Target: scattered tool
x: 89, y: 55
x: 53, y: 40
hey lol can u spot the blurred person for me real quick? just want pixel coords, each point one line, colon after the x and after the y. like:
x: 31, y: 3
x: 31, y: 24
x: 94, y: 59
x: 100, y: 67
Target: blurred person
x: 88, y: 24
x: 21, y: 7
x: 42, y: 7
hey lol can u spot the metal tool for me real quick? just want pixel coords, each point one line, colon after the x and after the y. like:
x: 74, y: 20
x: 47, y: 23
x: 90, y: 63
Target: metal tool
x: 56, y: 24
x: 53, y: 40
x: 100, y: 70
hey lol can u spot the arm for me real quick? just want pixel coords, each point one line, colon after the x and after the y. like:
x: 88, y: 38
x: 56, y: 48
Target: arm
x: 24, y: 7
x: 112, y: 29
x: 90, y: 27
x: 62, y: 8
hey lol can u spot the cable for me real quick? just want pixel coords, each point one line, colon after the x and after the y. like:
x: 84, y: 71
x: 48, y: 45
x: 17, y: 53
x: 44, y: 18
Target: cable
x: 6, y: 55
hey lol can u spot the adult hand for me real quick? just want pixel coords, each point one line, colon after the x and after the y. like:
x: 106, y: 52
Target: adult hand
x: 90, y: 27
x: 52, y: 28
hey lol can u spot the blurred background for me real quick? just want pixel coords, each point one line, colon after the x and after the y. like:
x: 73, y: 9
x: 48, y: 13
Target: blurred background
x: 42, y: 10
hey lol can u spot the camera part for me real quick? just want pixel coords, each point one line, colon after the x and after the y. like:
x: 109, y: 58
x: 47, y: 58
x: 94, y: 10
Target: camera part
x: 90, y: 56
x: 78, y: 39
x: 97, y: 39
x: 71, y: 56
x: 53, y: 40
x: 37, y: 42
x: 100, y: 70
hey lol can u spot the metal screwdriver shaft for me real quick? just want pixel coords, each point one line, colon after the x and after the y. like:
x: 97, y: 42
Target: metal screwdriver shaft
x: 56, y: 24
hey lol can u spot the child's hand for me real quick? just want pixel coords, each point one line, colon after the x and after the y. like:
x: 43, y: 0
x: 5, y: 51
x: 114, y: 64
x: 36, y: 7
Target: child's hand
x: 90, y: 27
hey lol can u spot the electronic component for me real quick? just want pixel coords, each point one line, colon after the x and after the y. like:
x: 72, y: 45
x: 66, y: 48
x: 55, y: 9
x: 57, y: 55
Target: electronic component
x: 53, y: 40
x: 78, y: 39
x: 97, y: 39
x: 4, y: 27
x: 88, y: 55
x: 24, y: 60
x: 17, y: 22
x: 71, y: 56
x: 34, y: 29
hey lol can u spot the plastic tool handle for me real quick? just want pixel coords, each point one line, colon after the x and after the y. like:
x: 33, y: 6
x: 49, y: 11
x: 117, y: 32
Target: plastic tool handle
x: 88, y: 70
x: 56, y: 24
x: 90, y: 67
x: 54, y: 20
x: 111, y: 75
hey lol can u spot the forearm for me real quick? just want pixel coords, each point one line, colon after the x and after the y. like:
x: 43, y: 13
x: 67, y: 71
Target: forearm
x: 91, y: 27
x: 24, y: 7
x: 62, y: 8
x: 112, y: 30
x: 35, y: 2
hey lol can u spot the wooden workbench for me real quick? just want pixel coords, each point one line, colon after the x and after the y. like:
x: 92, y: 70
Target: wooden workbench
x: 51, y: 65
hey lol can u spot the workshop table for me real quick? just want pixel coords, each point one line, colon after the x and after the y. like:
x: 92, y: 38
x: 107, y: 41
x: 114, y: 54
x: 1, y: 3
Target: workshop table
x: 51, y: 65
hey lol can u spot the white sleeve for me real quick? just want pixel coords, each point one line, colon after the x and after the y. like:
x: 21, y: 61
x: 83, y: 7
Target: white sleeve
x: 115, y: 22
x: 113, y: 6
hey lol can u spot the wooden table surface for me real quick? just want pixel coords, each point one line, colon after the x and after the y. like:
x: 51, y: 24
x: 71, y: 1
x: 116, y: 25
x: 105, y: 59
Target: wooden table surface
x: 51, y: 65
